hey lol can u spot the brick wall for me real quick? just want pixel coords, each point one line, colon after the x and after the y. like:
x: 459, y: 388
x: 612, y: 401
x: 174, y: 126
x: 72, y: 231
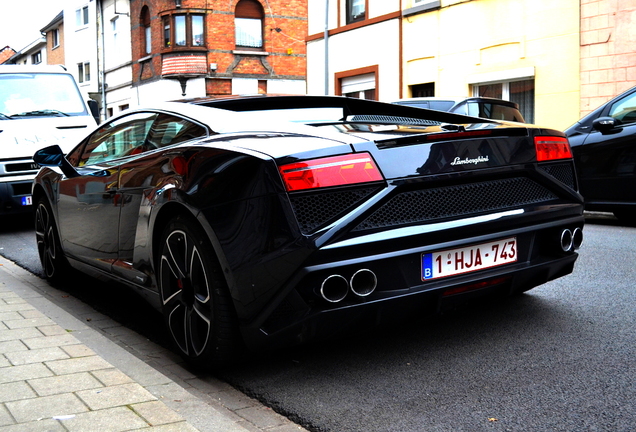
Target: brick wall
x: 55, y: 55
x: 283, y: 55
x: 608, y: 54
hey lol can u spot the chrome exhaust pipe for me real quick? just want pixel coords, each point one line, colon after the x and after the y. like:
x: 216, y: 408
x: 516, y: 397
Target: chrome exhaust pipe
x: 577, y: 238
x: 363, y: 282
x: 334, y: 289
x: 566, y: 240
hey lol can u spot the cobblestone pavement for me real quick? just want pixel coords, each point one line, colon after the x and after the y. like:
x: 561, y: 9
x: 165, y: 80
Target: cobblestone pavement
x: 58, y: 373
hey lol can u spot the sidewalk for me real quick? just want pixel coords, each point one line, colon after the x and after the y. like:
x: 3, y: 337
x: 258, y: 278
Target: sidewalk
x: 59, y: 374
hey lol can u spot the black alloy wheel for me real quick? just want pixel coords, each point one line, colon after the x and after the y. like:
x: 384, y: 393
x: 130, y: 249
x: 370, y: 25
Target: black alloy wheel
x: 54, y: 263
x: 196, y: 304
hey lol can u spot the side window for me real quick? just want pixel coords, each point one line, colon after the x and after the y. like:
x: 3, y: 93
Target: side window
x: 625, y: 109
x: 168, y: 130
x: 118, y: 138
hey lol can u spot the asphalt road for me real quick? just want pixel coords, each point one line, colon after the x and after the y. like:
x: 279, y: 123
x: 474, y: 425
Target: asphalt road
x: 560, y: 358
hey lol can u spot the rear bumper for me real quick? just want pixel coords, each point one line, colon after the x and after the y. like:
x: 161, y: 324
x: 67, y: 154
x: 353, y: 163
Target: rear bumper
x: 299, y: 314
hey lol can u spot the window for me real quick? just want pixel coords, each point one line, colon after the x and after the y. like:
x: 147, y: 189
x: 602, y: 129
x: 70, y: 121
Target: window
x: 183, y: 30
x: 359, y: 86
x: 113, y: 27
x: 423, y: 90
x: 144, y: 20
x: 36, y: 58
x: 81, y: 17
x: 624, y: 110
x: 83, y: 72
x: 248, y: 24
x: 168, y: 130
x: 521, y: 92
x: 55, y: 38
x: 117, y: 138
x: 356, y: 10
x: 136, y: 134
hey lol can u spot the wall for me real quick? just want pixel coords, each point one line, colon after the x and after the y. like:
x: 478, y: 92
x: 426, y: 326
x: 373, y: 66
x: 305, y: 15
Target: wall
x: 608, y: 57
x: 460, y: 44
x: 55, y: 55
x: 372, y: 43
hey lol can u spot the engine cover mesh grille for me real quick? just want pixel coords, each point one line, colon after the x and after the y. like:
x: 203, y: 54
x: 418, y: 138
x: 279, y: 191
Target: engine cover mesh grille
x: 317, y: 209
x: 453, y: 201
x: 563, y: 172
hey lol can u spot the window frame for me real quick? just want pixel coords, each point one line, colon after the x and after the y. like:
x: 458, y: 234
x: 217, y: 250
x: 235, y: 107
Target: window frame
x: 146, y: 30
x: 82, y: 18
x: 36, y: 58
x: 55, y: 38
x: 247, y: 13
x: 527, y: 113
x: 350, y: 18
x: 171, y: 27
x: 83, y: 72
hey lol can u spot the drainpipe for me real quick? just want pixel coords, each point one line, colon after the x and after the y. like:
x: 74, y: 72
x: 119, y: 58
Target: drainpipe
x: 326, y: 37
x: 102, y: 62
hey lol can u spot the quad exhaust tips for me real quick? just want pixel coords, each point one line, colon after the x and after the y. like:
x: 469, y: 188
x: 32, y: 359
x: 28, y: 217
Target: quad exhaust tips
x: 335, y: 288
x: 571, y: 240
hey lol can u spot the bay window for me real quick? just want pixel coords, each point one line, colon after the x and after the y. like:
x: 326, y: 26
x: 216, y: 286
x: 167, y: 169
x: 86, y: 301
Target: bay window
x: 183, y: 30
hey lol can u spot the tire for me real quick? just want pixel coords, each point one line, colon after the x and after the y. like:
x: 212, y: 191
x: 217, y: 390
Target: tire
x: 54, y: 264
x: 196, y: 305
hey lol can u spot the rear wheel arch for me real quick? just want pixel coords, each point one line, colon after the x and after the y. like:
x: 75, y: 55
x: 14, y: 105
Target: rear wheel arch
x: 193, y: 290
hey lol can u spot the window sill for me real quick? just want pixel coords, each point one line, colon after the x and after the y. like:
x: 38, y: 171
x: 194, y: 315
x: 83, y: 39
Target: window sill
x: 249, y: 52
x: 426, y: 7
x: 179, y: 48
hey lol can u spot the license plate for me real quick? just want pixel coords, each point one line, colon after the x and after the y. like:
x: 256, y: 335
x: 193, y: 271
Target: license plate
x: 27, y: 200
x: 468, y: 259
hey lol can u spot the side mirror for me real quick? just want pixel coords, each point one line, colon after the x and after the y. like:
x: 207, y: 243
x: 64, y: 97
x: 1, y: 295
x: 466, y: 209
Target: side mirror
x: 54, y: 156
x: 94, y: 107
x: 605, y: 124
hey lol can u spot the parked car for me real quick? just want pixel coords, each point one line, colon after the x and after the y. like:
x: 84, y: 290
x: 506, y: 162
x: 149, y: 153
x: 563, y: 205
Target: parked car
x: 603, y: 144
x: 39, y: 106
x: 248, y: 231
x: 491, y: 108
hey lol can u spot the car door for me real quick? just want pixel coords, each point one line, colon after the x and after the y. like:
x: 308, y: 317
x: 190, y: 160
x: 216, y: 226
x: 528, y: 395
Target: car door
x: 89, y: 204
x: 139, y: 178
x: 606, y: 161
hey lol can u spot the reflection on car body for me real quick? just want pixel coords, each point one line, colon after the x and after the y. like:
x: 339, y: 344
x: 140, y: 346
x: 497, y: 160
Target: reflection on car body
x: 248, y: 231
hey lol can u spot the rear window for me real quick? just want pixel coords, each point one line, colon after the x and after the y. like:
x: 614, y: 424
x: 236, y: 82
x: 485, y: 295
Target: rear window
x: 494, y: 111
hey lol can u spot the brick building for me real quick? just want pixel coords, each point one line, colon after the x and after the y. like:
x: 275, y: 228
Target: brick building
x: 54, y: 32
x: 608, y: 58
x: 6, y: 53
x: 195, y: 48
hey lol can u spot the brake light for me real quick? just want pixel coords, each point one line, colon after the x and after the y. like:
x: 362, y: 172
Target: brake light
x: 552, y: 148
x: 330, y: 171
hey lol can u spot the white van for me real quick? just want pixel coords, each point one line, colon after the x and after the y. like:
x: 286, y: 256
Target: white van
x: 39, y: 106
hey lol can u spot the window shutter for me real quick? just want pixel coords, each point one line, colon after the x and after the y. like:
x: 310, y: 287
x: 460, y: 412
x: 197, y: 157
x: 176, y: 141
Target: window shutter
x: 249, y: 9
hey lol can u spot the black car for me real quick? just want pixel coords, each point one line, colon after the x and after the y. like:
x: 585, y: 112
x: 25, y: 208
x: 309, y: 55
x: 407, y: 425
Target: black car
x: 248, y: 231
x: 604, y: 147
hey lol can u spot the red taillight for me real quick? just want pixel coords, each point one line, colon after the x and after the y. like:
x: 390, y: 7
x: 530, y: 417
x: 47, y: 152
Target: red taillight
x: 330, y: 171
x: 551, y: 148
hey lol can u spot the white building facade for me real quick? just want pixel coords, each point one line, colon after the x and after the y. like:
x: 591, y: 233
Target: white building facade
x: 353, y: 48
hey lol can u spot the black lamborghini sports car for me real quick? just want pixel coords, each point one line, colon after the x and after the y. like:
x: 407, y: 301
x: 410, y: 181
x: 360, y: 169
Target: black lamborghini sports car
x: 265, y: 221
